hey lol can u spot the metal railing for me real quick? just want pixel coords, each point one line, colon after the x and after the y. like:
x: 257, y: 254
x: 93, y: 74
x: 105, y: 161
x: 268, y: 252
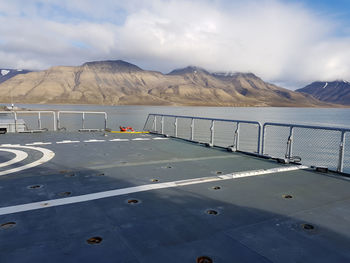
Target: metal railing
x: 33, y: 120
x: 238, y: 135
x: 312, y: 145
x: 37, y: 116
x: 318, y: 146
x: 83, y: 115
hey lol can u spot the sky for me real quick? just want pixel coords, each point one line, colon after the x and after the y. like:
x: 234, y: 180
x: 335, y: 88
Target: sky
x: 287, y: 42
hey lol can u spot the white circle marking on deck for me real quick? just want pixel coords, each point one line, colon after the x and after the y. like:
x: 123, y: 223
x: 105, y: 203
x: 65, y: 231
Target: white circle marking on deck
x: 20, y: 156
x: 47, y: 156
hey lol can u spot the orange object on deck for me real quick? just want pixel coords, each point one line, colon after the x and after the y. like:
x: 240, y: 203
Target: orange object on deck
x: 125, y: 129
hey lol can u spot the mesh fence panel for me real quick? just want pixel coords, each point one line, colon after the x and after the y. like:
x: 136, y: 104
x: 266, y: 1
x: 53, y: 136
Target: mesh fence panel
x: 224, y: 133
x: 158, y: 124
x: 32, y: 120
x: 248, y: 137
x: 184, y: 128
x: 202, y: 130
x: 47, y: 121
x: 347, y: 153
x: 149, y: 123
x: 71, y: 122
x: 317, y: 147
x: 276, y: 141
x: 94, y: 121
x: 169, y: 127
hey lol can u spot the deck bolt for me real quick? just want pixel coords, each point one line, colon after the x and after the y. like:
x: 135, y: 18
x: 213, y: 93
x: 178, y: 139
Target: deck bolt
x: 7, y: 225
x: 133, y: 201
x: 94, y: 240
x: 204, y: 259
x: 307, y: 226
x: 37, y: 186
x: 212, y: 212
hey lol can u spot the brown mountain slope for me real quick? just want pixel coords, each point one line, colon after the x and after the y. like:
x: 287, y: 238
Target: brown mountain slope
x: 121, y: 83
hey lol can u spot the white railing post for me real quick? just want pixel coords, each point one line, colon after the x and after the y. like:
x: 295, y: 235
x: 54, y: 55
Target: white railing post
x: 259, y: 138
x: 175, y: 126
x: 83, y: 120
x: 155, y: 123
x: 15, y: 114
x: 58, y: 121
x: 192, y: 129
x: 341, y: 153
x: 162, y: 125
x: 39, y: 120
x: 289, y: 151
x: 236, y: 138
x: 212, y: 133
x: 263, y: 140
x: 54, y: 121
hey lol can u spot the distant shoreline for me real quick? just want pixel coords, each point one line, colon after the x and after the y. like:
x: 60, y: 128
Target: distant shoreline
x: 3, y: 105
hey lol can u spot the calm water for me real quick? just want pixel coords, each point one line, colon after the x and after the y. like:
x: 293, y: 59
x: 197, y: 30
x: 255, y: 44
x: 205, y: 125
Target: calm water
x: 135, y: 116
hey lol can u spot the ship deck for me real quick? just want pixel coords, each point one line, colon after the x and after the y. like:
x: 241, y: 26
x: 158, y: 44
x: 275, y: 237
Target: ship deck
x: 96, y: 197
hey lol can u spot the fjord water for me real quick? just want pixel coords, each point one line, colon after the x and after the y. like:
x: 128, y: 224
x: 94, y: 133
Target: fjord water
x: 135, y: 116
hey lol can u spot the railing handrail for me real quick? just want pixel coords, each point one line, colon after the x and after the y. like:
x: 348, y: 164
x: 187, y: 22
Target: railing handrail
x: 7, y: 112
x: 39, y: 112
x: 89, y: 112
x: 213, y: 120
x: 56, y: 121
x: 34, y: 111
x: 83, y: 116
x: 205, y: 118
x: 261, y: 135
x: 316, y: 127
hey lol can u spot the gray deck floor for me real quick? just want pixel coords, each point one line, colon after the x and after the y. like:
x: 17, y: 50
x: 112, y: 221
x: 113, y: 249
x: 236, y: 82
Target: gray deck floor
x: 254, y: 222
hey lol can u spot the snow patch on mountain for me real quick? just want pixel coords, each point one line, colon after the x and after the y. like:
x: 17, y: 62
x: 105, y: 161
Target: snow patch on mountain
x: 4, y: 72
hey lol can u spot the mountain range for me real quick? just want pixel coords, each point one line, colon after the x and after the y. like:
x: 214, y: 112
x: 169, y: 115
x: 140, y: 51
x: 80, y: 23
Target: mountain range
x: 6, y: 74
x: 332, y: 92
x: 116, y: 82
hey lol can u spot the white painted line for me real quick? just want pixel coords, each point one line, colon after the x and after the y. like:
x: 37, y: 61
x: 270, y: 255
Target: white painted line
x: 38, y: 143
x: 141, y: 139
x: 261, y: 172
x: 20, y: 156
x: 9, y: 145
x: 142, y: 188
x: 93, y: 140
x: 47, y: 156
x: 67, y: 141
x: 160, y: 138
x: 119, y: 140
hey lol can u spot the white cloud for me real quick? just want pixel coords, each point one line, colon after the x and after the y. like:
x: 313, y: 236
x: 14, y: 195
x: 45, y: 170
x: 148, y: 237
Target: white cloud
x: 282, y: 43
